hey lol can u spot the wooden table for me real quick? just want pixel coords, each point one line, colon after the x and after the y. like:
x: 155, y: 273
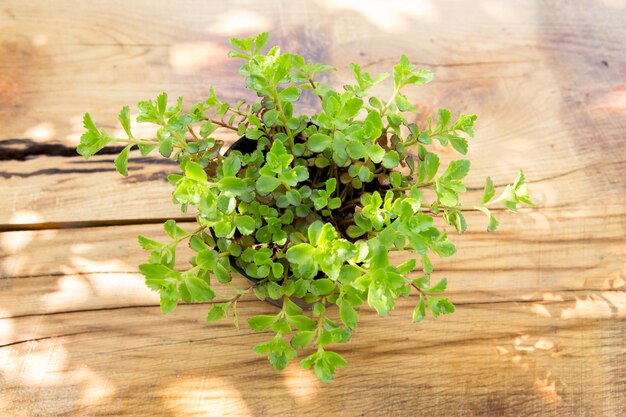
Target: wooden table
x: 539, y: 327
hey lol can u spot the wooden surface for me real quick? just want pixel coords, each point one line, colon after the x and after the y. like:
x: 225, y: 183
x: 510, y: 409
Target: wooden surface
x: 539, y: 327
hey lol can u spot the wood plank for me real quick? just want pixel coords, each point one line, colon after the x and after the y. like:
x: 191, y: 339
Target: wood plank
x: 541, y: 304
x: 100, y: 51
x: 137, y: 362
x: 532, y: 255
x: 519, y: 87
x: 45, y: 189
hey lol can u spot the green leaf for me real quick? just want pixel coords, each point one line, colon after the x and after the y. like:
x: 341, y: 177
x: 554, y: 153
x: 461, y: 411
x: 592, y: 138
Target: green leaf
x: 318, y: 142
x: 300, y: 253
x: 302, y: 339
x: 429, y: 167
x: 489, y: 191
x: 302, y: 322
x: 459, y: 144
x: 195, y: 171
x: 407, y: 266
x: 427, y: 266
x: 168, y: 303
x: 197, y: 244
x: 266, y: 184
x: 379, y: 258
x: 262, y: 322
x: 271, y: 117
x: 292, y: 309
x: 289, y: 94
x: 444, y: 119
x: 207, y: 259
x: 395, y: 179
x: 420, y: 310
x: 391, y: 160
x: 149, y: 244
x: 322, y: 286
x: 93, y: 140
x: 465, y: 123
x: 355, y: 231
x: 124, y: 118
x: 121, y: 162
x: 348, y: 315
x: 233, y: 185
x: 438, y: 287
x: 281, y: 326
x: 404, y: 104
x: 231, y: 166
x: 440, y: 305
x: 173, y: 230
x: 199, y: 289
x: 161, y: 103
x: 166, y: 146
x: 380, y: 298
x: 356, y: 150
x: 493, y: 222
x: 325, y: 364
x: 157, y: 271
x: 457, y: 170
x: 217, y: 311
x: 260, y: 40
x: 376, y: 153
x: 245, y: 224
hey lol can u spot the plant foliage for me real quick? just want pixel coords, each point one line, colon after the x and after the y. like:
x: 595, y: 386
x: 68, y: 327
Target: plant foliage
x: 314, y: 209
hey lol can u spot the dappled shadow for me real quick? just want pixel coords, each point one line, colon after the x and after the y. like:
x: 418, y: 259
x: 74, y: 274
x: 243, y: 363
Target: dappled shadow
x: 80, y: 333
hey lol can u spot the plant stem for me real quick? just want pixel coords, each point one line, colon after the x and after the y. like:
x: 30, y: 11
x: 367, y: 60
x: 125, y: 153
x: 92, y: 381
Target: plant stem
x: 279, y: 107
x: 421, y: 291
x: 391, y: 99
x: 315, y: 88
x: 136, y: 141
x: 225, y: 125
x: 320, y: 323
x: 237, y: 296
x: 193, y: 133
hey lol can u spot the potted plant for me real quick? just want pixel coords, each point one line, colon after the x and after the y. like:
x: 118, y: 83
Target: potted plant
x: 307, y: 208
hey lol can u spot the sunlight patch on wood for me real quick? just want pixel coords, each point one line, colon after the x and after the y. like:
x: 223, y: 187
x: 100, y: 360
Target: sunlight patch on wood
x: 239, y: 23
x: 41, y: 131
x: 97, y: 389
x: 395, y: 16
x: 590, y: 307
x: 35, y: 363
x: 206, y: 397
x: 40, y: 40
x: 540, y: 310
x: 6, y: 326
x: 546, y: 390
x: 85, y: 265
x: 500, y: 10
x: 301, y: 383
x: 193, y: 56
x: 617, y: 299
x: 73, y: 290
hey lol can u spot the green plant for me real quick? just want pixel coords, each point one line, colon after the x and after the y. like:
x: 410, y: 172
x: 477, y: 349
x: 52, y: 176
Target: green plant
x: 314, y: 209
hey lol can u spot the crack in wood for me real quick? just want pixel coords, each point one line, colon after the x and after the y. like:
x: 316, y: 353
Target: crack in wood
x: 38, y: 339
x: 89, y: 223
x: 253, y: 300
x: 23, y: 149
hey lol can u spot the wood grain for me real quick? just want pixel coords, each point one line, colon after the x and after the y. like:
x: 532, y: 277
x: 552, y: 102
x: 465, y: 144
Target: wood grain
x: 541, y: 303
x: 44, y: 189
x: 126, y: 362
x: 534, y: 253
x: 529, y: 117
x: 82, y: 328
